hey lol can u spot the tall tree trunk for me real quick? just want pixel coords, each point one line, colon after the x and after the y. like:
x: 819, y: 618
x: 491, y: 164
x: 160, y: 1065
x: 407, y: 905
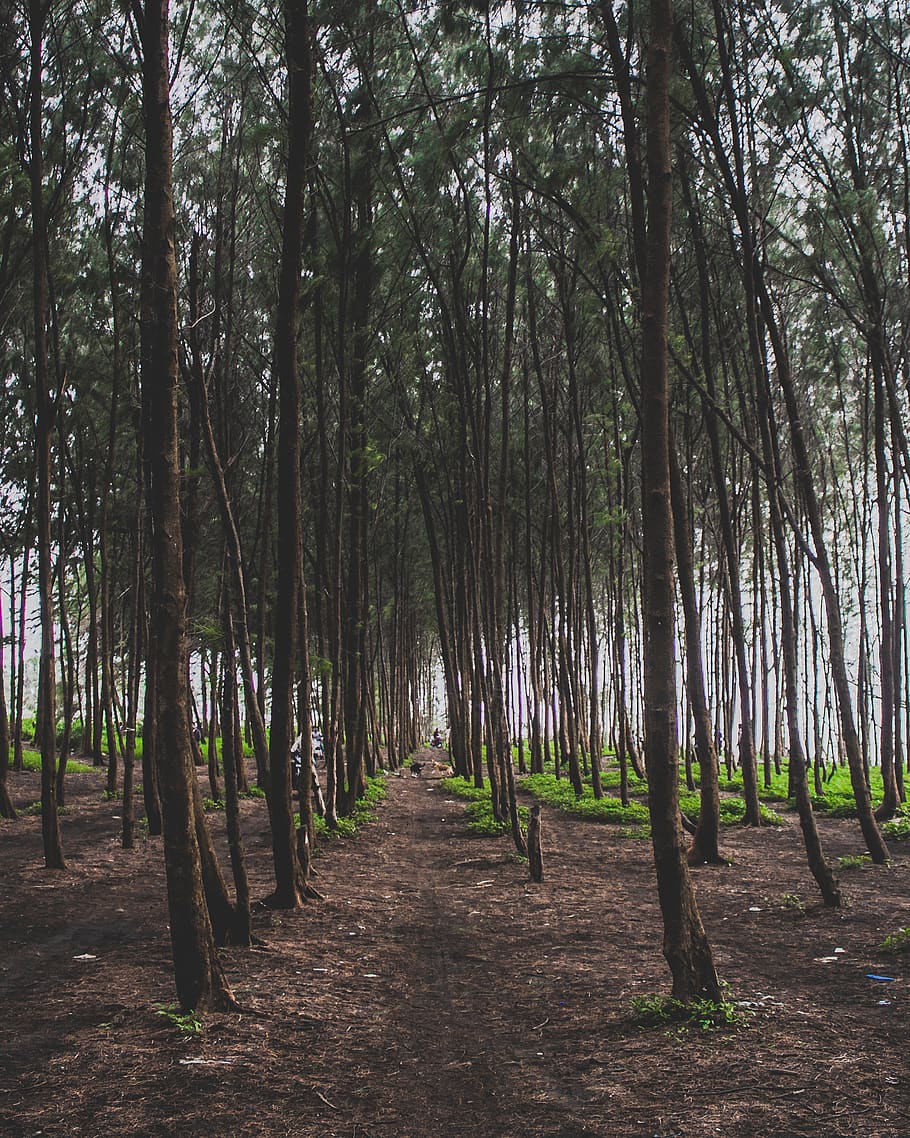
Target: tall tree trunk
x: 686, y: 945
x: 198, y: 971
x: 290, y: 885
x: 44, y: 425
x: 799, y: 785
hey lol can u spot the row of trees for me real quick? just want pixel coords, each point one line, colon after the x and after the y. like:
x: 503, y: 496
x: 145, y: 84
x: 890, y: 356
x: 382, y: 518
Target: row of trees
x: 332, y: 348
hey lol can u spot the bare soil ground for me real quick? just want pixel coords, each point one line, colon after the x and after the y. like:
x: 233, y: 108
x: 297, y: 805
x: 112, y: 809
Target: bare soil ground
x: 436, y: 990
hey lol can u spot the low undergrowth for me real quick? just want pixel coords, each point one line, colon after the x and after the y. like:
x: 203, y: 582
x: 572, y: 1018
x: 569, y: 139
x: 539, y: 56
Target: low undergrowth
x: 898, y: 829
x: 897, y: 941
x: 364, y: 811
x: 559, y: 792
x: 31, y: 761
x: 479, y: 808
x: 732, y: 810
x: 651, y: 1011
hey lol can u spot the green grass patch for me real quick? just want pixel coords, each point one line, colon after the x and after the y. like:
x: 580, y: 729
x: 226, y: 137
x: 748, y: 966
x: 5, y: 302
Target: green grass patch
x: 732, y: 810
x: 611, y: 779
x: 837, y: 800
x: 640, y: 833
x: 854, y: 861
x: 31, y: 761
x: 898, y: 829
x: 465, y: 788
x: 479, y: 809
x: 364, y: 811
x: 558, y: 792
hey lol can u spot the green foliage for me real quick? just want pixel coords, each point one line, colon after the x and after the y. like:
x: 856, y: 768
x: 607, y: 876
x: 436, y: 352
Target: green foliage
x: 188, y: 1023
x: 611, y: 779
x: 795, y: 902
x: 837, y: 809
x: 838, y: 801
x: 364, y: 811
x: 707, y: 1015
x: 854, y: 861
x: 897, y: 829
x: 209, y: 804
x: 558, y: 792
x: 897, y: 942
x: 479, y: 810
x: 465, y: 788
x: 254, y: 792
x: 732, y: 810
x: 635, y: 832
x: 481, y: 820
x: 31, y: 761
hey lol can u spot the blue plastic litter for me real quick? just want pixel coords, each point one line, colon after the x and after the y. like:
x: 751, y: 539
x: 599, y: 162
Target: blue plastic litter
x: 873, y: 976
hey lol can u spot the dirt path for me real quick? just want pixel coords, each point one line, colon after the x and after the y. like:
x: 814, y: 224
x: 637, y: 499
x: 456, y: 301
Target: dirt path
x: 436, y: 991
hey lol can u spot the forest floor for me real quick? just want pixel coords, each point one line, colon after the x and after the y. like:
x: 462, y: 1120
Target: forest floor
x: 436, y: 990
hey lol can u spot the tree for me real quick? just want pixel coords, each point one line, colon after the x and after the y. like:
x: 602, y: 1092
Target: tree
x: 686, y: 945
x: 290, y: 883
x: 44, y: 426
x: 198, y: 971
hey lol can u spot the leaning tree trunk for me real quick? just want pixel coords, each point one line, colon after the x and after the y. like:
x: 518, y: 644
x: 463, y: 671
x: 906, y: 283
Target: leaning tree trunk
x: 818, y: 864
x: 875, y: 843
x: 199, y: 975
x: 686, y: 945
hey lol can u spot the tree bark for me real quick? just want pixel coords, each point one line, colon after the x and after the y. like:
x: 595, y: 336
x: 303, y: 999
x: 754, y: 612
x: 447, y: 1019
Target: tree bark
x: 199, y: 975
x: 45, y: 414
x: 686, y: 946
x: 290, y: 885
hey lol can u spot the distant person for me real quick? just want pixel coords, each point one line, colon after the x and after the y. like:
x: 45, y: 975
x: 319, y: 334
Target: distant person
x: 436, y: 741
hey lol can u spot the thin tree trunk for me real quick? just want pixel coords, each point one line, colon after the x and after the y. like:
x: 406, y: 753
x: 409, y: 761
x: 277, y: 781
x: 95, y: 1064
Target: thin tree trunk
x: 290, y: 885
x: 7, y: 810
x: 704, y: 843
x: 44, y: 426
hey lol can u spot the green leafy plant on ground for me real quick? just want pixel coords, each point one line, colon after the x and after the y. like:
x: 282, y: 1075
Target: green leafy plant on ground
x: 364, y: 810
x: 465, y: 788
x: 558, y: 792
x: 898, y: 829
x: 479, y: 808
x: 188, y: 1023
x: 31, y: 761
x: 707, y: 1015
x: 854, y: 861
x: 898, y: 941
x: 732, y: 810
